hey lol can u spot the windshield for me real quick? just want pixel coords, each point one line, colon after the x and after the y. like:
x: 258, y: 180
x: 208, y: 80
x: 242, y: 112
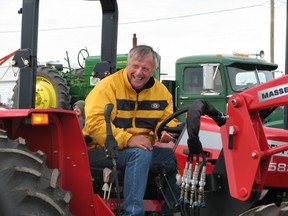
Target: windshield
x: 241, y: 79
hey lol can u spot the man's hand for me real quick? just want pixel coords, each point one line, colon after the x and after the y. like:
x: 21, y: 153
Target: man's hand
x: 140, y: 141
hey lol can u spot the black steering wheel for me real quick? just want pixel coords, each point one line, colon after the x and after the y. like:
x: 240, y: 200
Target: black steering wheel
x: 82, y: 55
x: 174, y: 130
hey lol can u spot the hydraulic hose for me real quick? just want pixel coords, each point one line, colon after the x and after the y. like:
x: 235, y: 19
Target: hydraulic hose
x: 195, y: 111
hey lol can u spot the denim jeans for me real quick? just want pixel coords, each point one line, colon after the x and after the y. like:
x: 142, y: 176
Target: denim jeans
x: 136, y: 164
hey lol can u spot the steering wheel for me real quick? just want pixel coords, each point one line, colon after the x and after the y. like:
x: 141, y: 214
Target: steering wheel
x: 82, y: 55
x: 175, y: 130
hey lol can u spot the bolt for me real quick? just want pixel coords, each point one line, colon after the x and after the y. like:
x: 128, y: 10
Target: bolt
x: 234, y: 102
x: 254, y: 155
x: 14, y: 63
x: 26, y: 62
x: 243, y: 192
x: 55, y: 152
x: 107, y: 73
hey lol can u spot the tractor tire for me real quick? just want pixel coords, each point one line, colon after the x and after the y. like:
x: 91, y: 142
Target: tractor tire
x: 52, y: 90
x: 27, y: 185
x: 268, y: 210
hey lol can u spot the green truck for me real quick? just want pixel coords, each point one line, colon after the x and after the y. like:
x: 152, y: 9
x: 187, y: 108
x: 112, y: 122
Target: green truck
x: 210, y: 77
x: 215, y: 78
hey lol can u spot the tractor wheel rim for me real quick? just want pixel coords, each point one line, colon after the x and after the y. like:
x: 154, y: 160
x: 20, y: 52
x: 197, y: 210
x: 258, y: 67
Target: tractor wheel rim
x: 45, y: 94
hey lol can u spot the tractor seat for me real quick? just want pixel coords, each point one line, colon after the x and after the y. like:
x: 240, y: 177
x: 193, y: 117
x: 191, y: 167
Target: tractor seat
x: 55, y: 64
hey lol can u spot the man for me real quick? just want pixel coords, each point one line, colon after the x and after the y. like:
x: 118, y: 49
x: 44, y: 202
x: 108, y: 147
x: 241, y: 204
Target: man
x: 141, y: 103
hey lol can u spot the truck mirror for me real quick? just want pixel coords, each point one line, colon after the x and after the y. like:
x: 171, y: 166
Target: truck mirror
x: 208, y: 74
x: 261, y: 54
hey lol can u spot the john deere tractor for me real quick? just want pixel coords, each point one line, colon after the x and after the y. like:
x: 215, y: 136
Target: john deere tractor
x: 60, y: 87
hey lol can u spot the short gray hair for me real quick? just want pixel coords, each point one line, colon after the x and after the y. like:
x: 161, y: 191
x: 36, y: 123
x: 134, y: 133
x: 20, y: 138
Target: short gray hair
x: 141, y: 51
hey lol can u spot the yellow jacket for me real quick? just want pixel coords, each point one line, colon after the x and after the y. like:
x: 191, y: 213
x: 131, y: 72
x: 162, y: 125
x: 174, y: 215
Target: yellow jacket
x: 133, y: 113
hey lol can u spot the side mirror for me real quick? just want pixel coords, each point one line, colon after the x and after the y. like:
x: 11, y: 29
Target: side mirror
x: 208, y: 75
x: 261, y: 54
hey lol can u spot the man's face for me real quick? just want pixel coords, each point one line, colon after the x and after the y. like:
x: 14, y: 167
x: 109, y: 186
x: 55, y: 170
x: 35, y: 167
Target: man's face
x: 139, y: 71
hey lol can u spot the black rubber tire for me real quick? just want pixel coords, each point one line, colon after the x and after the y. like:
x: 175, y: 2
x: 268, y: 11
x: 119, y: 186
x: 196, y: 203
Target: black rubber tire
x: 27, y: 186
x: 53, y: 82
x: 268, y: 210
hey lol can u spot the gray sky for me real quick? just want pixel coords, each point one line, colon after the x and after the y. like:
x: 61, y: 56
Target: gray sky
x: 175, y: 28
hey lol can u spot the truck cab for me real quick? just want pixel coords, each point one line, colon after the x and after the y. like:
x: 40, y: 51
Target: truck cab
x: 215, y: 78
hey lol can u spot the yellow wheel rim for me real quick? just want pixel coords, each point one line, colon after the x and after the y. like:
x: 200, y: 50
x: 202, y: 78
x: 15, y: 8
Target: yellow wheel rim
x: 45, y: 94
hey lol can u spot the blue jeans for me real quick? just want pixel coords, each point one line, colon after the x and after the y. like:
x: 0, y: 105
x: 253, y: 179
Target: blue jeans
x: 136, y: 164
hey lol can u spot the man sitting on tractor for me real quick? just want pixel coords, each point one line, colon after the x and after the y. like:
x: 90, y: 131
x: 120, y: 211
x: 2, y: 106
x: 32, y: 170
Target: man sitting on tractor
x: 141, y: 103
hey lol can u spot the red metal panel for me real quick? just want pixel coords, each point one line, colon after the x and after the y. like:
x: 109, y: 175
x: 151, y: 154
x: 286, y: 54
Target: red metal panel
x: 63, y: 143
x: 248, y: 156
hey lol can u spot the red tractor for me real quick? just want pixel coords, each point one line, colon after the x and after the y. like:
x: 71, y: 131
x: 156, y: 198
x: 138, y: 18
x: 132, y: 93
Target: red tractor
x: 241, y: 169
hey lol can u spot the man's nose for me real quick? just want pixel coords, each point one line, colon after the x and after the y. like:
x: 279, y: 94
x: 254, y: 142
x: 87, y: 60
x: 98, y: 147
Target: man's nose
x: 139, y: 70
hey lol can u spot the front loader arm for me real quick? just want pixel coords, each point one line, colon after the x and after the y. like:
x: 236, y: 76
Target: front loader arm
x: 246, y: 150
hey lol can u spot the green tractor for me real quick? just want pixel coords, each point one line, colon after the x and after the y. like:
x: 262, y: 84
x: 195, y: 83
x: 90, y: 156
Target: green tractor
x: 60, y: 87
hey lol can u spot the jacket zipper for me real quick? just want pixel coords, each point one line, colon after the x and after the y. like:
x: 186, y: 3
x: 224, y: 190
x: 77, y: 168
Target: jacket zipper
x: 135, y: 109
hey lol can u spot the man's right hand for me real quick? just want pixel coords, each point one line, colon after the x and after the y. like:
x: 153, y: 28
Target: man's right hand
x: 139, y: 141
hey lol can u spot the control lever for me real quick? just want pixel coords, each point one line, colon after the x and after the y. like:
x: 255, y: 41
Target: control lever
x: 160, y: 188
x: 110, y: 143
x: 170, y: 206
x: 111, y: 149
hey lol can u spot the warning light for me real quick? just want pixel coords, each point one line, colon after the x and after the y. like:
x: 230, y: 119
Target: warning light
x: 39, y: 119
x: 241, y: 54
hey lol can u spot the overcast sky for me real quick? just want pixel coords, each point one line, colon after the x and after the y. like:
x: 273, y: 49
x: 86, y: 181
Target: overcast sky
x: 175, y: 28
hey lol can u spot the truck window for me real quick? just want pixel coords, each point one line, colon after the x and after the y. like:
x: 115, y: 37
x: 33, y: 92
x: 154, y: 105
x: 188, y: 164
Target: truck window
x: 242, y: 79
x: 193, y: 81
